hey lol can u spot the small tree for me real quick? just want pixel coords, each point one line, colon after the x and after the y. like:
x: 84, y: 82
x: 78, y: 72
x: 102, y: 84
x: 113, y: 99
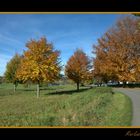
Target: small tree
x: 78, y: 67
x: 11, y: 70
x: 40, y: 63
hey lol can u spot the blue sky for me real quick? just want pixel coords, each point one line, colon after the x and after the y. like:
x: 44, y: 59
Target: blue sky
x: 66, y: 31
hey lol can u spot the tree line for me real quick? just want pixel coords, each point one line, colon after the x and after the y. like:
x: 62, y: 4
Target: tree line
x: 118, y: 52
x: 117, y: 58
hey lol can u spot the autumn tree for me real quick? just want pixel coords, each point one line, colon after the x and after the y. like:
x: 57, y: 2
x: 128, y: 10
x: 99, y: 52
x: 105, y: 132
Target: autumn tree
x: 118, y: 50
x: 40, y: 63
x: 78, y: 67
x: 11, y: 70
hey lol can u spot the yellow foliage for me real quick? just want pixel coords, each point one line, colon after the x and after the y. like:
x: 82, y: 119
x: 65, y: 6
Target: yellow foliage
x: 36, y: 61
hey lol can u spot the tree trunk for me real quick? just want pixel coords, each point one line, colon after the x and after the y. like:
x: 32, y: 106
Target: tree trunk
x: 77, y: 86
x: 14, y: 87
x: 118, y: 84
x: 124, y: 84
x: 38, y: 90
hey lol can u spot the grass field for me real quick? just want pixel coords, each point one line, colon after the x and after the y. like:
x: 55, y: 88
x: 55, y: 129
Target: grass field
x: 63, y: 106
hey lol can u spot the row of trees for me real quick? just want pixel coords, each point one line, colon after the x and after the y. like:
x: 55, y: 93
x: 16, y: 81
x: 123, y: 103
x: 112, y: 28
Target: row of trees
x: 117, y: 58
x: 118, y: 52
x: 40, y: 63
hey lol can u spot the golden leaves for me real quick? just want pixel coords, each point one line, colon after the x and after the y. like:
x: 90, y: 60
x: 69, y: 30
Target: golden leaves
x: 11, y: 68
x: 116, y: 51
x: 39, y: 63
x: 77, y: 68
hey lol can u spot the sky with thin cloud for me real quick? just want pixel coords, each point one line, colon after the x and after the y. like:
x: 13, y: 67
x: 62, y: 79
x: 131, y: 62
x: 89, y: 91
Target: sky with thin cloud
x: 66, y: 31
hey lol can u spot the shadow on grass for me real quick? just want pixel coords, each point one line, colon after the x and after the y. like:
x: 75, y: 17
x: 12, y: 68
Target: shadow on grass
x: 126, y: 86
x: 61, y: 92
x: 41, y: 89
x: 26, y: 90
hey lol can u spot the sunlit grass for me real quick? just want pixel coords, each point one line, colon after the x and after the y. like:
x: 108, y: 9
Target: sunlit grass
x: 63, y: 106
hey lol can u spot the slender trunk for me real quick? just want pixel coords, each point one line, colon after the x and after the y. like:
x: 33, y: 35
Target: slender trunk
x: 14, y: 87
x: 77, y: 86
x: 38, y: 90
x: 124, y: 84
x: 118, y: 84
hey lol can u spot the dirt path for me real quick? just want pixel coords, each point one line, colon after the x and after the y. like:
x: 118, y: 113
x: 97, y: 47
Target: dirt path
x: 134, y: 94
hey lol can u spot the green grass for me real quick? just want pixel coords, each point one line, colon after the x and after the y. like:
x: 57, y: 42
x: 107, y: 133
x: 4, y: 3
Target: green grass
x: 63, y: 106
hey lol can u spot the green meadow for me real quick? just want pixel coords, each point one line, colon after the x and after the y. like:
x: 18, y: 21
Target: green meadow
x: 63, y: 106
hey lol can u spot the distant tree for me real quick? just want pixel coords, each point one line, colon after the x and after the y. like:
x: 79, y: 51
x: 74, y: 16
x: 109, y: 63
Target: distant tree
x: 118, y: 52
x: 78, y: 67
x: 11, y: 70
x: 40, y: 63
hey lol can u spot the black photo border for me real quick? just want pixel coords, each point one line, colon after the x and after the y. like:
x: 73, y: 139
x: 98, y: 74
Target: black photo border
x: 69, y: 7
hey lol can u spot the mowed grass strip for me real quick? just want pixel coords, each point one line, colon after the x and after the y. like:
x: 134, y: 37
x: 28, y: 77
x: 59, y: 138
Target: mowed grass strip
x: 63, y: 106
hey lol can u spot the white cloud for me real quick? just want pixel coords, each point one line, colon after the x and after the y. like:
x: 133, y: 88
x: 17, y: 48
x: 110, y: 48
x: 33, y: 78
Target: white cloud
x: 10, y: 40
x: 5, y: 57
